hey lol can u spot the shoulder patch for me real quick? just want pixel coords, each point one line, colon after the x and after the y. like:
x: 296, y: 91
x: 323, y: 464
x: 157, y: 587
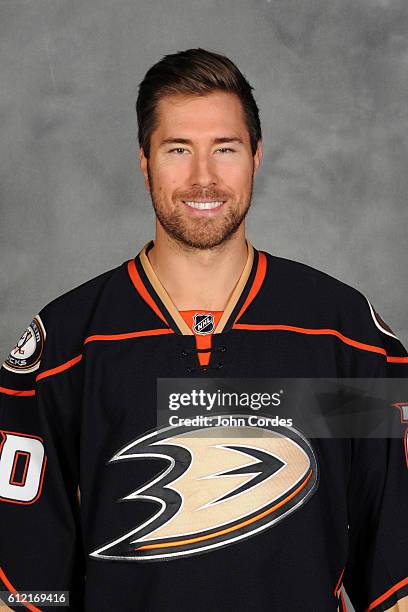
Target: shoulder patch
x: 26, y: 355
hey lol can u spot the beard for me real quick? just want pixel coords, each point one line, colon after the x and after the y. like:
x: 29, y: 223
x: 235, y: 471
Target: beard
x: 200, y: 233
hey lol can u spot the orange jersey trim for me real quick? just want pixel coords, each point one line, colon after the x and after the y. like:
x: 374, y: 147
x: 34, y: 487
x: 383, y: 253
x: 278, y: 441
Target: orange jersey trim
x: 142, y: 291
x: 387, y: 594
x: 256, y: 285
x: 96, y: 337
x: 204, y: 342
x: 322, y: 332
x: 397, y: 359
x: 126, y: 336
x: 10, y: 587
x: 229, y: 529
x: 13, y: 471
x: 60, y: 368
x: 25, y: 393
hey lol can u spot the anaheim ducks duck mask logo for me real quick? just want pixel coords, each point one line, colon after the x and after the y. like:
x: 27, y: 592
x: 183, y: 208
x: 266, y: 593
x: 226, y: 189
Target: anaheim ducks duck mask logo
x: 217, y: 490
x: 26, y: 355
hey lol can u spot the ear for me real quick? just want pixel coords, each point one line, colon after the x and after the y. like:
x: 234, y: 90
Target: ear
x: 258, y: 156
x: 143, y: 168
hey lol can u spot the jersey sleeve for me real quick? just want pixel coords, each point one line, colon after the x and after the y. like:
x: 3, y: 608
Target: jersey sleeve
x: 40, y: 541
x: 376, y: 573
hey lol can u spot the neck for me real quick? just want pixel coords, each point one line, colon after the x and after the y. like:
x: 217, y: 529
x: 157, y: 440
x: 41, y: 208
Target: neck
x: 196, y: 278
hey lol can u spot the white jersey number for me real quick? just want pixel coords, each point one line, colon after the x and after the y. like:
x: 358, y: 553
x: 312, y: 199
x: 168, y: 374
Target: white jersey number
x: 22, y: 465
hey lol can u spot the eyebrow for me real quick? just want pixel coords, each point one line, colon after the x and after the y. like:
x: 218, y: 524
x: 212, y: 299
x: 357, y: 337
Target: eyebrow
x: 220, y: 140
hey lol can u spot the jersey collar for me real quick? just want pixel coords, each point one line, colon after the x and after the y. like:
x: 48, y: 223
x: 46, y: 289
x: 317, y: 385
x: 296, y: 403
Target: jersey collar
x: 149, y: 287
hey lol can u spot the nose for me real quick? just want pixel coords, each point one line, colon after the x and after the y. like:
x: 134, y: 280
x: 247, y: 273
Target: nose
x: 203, y: 170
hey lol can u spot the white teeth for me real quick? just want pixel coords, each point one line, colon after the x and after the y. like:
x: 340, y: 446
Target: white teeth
x: 204, y: 205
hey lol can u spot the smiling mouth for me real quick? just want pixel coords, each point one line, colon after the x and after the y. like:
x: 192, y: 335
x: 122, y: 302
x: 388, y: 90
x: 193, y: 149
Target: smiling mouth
x: 209, y: 205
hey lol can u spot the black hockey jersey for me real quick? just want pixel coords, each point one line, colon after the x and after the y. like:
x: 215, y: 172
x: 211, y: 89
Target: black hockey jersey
x: 166, y: 522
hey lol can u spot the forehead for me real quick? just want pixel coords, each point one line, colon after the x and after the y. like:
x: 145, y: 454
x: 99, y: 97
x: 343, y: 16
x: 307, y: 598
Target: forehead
x: 190, y: 114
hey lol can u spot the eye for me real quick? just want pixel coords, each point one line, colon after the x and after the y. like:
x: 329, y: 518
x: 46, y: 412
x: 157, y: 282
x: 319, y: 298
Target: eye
x: 226, y: 149
x: 177, y: 149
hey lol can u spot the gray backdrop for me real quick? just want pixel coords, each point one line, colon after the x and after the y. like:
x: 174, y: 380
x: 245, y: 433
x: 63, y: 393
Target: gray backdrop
x: 330, y: 78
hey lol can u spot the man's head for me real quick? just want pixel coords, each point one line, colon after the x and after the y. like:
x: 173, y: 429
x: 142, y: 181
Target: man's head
x: 200, y: 145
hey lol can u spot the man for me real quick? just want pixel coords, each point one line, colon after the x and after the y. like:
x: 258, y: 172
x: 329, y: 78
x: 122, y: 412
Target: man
x: 269, y: 522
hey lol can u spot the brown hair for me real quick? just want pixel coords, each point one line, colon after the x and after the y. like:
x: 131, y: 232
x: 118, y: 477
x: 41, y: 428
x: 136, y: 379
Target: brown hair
x: 196, y: 72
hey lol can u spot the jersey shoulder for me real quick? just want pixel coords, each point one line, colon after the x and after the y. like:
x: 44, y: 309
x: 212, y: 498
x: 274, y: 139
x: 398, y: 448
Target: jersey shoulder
x: 57, y: 331
x: 80, y: 300
x: 307, y: 293
x: 297, y: 294
x: 296, y: 276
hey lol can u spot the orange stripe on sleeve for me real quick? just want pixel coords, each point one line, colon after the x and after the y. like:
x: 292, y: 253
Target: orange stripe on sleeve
x: 17, y: 392
x: 60, y: 368
x: 387, y: 594
x: 397, y: 359
x: 71, y: 362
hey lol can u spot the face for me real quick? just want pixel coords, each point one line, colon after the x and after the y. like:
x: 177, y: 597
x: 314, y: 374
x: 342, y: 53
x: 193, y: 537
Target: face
x: 201, y: 169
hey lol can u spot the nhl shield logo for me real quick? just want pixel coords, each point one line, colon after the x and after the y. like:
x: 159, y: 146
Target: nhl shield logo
x: 203, y: 323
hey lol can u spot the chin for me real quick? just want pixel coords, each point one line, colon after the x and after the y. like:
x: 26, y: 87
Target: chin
x: 207, y: 240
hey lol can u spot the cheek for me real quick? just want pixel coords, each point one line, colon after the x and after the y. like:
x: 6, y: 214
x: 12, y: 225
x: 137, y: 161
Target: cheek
x: 170, y: 178
x: 237, y: 178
